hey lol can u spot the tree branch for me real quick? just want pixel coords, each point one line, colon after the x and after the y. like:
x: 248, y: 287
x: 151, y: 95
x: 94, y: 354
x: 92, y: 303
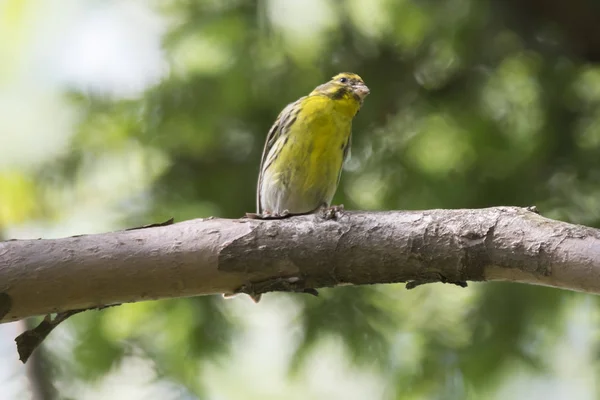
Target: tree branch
x: 209, y: 256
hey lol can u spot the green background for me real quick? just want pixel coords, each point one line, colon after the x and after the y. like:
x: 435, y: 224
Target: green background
x: 473, y: 103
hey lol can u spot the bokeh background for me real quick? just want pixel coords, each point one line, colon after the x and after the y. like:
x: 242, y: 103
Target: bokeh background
x: 116, y: 114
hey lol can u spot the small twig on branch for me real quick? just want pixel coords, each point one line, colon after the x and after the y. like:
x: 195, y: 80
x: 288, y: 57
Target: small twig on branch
x: 31, y: 339
x: 168, y: 222
x: 255, y: 290
x: 439, y: 278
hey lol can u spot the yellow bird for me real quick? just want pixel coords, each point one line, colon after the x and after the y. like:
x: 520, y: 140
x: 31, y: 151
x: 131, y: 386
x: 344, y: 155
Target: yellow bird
x: 306, y: 146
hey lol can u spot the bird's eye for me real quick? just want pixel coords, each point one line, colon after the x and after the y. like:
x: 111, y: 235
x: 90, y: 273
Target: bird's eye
x: 343, y: 80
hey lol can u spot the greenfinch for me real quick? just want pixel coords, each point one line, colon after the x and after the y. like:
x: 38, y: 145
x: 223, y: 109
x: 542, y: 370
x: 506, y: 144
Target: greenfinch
x: 306, y: 147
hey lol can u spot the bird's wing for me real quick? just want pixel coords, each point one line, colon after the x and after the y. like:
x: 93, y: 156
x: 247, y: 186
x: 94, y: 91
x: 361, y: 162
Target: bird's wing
x: 348, y: 149
x: 346, y: 156
x: 273, y: 143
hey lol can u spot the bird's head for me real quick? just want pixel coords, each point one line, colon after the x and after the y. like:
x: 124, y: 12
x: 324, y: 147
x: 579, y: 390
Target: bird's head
x: 343, y: 85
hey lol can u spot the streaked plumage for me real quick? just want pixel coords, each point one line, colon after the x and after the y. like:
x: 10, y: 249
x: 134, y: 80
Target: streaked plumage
x: 306, y: 146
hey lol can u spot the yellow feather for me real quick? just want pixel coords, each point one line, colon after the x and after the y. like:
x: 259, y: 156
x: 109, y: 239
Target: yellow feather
x: 306, y: 146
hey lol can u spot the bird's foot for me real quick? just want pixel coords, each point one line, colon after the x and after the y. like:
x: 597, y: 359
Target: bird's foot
x: 332, y: 212
x: 269, y: 215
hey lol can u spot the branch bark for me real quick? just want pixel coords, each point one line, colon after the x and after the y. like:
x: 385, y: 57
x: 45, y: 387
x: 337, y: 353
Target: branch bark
x: 209, y: 256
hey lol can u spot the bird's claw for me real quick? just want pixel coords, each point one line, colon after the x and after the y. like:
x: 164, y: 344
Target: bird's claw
x: 269, y: 215
x: 332, y: 212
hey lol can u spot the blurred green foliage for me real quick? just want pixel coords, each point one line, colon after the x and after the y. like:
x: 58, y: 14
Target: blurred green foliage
x: 474, y: 103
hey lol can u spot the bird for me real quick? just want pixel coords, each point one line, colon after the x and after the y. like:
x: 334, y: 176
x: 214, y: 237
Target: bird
x: 305, y: 149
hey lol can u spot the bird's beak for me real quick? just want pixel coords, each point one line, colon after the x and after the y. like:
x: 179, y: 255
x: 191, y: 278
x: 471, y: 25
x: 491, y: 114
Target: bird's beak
x: 361, y: 90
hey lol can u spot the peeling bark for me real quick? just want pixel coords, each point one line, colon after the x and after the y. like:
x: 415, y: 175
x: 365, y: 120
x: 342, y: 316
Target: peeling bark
x: 210, y: 256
